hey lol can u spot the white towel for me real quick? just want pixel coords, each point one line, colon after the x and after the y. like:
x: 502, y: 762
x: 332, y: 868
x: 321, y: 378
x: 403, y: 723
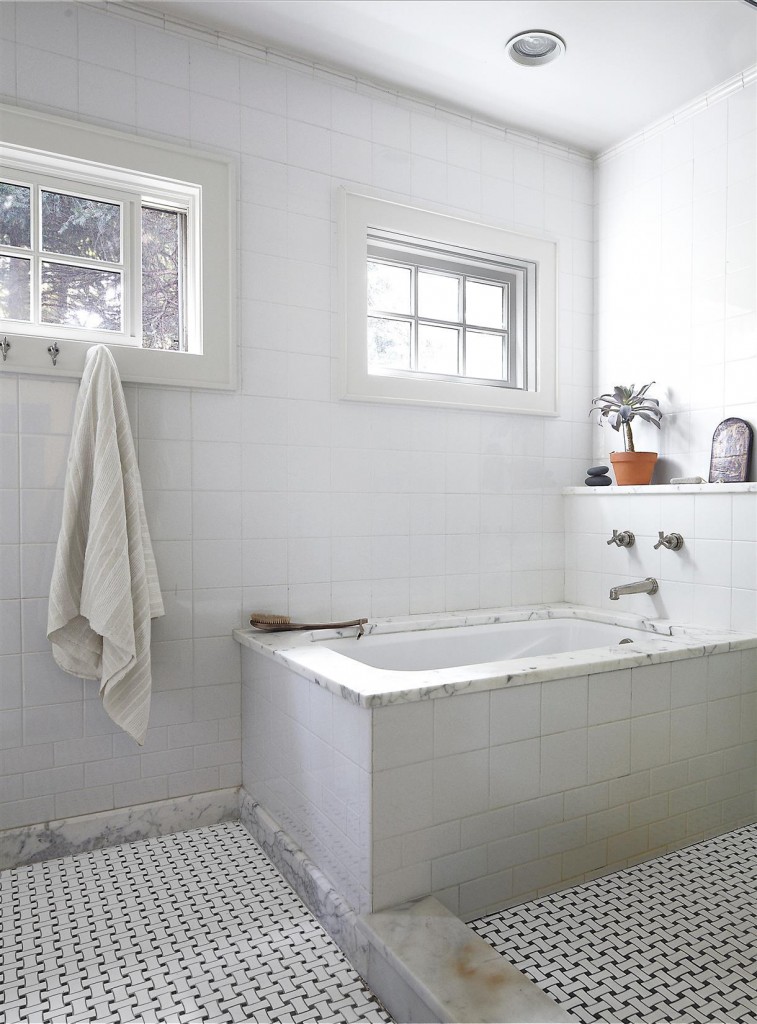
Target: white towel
x: 105, y: 589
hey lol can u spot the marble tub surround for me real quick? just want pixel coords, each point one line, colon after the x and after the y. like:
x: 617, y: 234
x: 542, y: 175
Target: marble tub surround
x: 487, y: 794
x: 426, y: 965
x: 308, y: 655
x: 53, y: 839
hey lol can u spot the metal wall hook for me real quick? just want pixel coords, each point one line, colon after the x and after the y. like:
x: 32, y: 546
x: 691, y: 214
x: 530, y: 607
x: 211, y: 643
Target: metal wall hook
x: 5, y: 346
x: 54, y: 352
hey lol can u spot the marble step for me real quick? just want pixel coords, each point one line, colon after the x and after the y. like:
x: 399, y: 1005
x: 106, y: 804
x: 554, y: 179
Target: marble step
x: 426, y: 965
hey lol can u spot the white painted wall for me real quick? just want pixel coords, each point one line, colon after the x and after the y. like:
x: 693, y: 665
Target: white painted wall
x: 276, y: 497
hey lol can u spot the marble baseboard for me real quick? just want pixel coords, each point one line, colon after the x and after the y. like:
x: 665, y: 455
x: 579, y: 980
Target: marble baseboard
x: 313, y: 887
x: 427, y: 965
x: 33, y: 843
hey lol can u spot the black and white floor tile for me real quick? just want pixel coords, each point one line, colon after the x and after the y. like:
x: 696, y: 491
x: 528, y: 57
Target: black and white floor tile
x: 672, y: 939
x: 197, y: 926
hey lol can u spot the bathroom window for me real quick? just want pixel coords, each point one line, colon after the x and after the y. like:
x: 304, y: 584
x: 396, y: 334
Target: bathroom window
x: 136, y: 254
x: 68, y: 263
x: 442, y: 311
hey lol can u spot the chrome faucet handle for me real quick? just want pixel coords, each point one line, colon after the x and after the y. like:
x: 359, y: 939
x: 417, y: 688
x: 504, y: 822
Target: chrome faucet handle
x: 671, y: 541
x: 623, y: 539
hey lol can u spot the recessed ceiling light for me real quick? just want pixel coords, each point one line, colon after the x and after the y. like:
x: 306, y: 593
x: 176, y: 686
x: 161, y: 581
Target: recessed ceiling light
x: 535, y: 47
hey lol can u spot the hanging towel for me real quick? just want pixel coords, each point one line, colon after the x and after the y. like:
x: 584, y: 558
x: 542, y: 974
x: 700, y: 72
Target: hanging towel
x: 105, y: 589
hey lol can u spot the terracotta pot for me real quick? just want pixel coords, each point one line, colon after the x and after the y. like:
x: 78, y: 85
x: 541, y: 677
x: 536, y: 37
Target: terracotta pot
x: 633, y: 467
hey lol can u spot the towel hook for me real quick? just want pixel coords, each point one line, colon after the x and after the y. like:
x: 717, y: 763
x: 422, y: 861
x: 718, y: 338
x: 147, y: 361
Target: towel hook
x: 5, y: 346
x: 54, y: 352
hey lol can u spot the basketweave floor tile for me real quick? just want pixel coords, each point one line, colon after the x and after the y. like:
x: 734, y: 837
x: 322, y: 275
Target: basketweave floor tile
x: 198, y: 926
x: 671, y: 939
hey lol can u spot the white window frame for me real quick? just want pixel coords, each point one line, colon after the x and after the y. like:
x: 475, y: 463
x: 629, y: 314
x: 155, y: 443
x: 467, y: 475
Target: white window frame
x: 143, y: 171
x: 363, y: 215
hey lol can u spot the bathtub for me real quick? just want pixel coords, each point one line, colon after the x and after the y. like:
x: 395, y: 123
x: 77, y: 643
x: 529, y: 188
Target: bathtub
x: 441, y: 647
x: 418, y: 657
x: 489, y: 757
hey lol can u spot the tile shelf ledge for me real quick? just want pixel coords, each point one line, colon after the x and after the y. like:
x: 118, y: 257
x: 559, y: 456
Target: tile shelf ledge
x: 745, y: 488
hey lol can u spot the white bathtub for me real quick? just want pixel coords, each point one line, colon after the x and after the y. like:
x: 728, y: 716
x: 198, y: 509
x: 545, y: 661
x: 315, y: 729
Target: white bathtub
x: 487, y: 757
x: 419, y: 657
x: 448, y: 647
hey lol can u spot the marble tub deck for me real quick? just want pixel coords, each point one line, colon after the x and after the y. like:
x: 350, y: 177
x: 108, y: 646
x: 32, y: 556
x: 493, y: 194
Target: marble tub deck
x: 370, y: 687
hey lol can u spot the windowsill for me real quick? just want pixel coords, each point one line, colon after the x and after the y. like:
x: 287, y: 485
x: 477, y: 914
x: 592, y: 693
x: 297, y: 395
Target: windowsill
x: 614, y: 490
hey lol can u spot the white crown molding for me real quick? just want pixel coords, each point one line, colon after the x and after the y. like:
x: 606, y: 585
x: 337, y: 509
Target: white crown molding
x: 688, y: 110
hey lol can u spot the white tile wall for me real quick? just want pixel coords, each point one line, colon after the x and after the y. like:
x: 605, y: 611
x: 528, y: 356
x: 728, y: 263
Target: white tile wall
x: 676, y: 268
x: 276, y: 497
x: 306, y: 757
x: 569, y: 802
x: 711, y: 581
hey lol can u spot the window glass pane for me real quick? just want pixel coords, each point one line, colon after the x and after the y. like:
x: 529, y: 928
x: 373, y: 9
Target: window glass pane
x: 162, y: 276
x: 15, y: 288
x: 81, y: 297
x: 388, y: 344
x: 389, y: 288
x: 74, y: 226
x: 437, y: 349
x: 485, y: 355
x: 15, y: 215
x: 484, y: 304
x: 438, y: 296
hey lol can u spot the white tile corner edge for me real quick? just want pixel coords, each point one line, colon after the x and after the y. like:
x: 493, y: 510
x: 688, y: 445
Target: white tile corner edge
x: 67, y: 836
x: 313, y: 887
x: 455, y: 975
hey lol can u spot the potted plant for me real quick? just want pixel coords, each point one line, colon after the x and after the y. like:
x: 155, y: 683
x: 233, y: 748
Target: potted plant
x: 619, y: 409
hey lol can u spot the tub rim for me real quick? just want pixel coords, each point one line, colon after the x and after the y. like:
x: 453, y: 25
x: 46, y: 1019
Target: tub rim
x: 370, y: 687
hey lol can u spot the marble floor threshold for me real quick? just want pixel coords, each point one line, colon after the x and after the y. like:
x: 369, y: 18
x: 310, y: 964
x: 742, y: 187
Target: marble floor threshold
x: 194, y: 926
x: 671, y: 939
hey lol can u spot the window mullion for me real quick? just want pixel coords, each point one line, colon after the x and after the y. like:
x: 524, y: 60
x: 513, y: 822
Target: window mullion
x: 414, y: 325
x: 35, y: 297
x: 182, y: 229
x: 462, y: 346
x: 80, y: 261
x: 132, y: 247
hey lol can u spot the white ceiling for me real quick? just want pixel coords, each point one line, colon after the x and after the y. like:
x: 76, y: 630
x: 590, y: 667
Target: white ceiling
x: 628, y: 62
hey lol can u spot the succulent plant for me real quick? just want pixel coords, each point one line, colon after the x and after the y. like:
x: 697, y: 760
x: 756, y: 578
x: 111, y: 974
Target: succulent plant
x: 624, y: 405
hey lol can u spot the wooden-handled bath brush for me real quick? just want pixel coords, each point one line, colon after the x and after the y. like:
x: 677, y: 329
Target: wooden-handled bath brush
x: 280, y: 623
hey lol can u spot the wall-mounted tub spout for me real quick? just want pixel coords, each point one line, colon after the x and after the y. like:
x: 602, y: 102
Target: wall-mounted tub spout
x: 647, y: 586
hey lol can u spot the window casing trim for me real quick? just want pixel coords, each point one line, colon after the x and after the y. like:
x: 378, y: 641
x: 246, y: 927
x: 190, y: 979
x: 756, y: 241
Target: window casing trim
x: 166, y: 176
x: 362, y: 216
